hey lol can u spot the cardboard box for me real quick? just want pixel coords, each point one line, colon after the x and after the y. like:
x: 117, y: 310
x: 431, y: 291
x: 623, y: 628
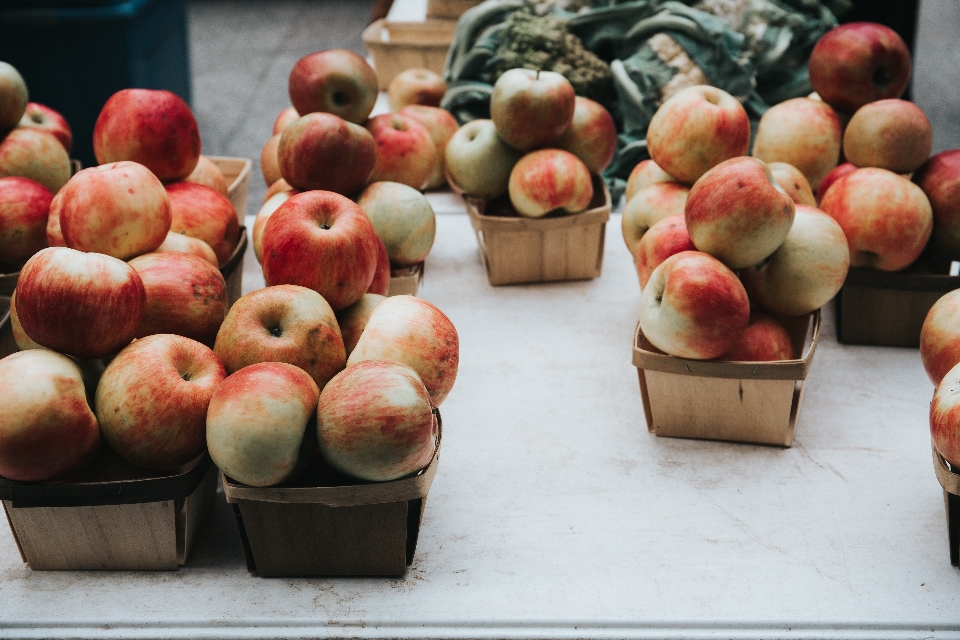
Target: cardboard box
x: 398, y: 46
x: 345, y: 530
x: 756, y: 402
x: 888, y: 309
x: 237, y: 172
x: 517, y: 250
x: 232, y: 269
x: 449, y: 9
x: 950, y: 481
x: 407, y: 284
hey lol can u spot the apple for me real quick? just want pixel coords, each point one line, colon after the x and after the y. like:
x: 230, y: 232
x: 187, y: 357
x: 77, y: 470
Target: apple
x: 182, y: 243
x: 738, y: 213
x: 209, y: 174
x: 334, y: 81
x: 403, y: 220
x: 940, y: 337
x: 887, y: 219
x: 20, y: 336
x: 30, y: 152
x: 793, y: 182
x: 284, y: 119
x: 406, y: 152
x: 283, y: 323
x: 87, y: 305
x: 549, y: 180
x: 441, y: 126
x: 200, y: 212
x: 653, y: 203
x: 591, y: 136
x: 802, y: 132
x: 322, y: 241
x: 531, y: 109
x: 47, y: 428
x: 643, y: 175
x: 43, y: 117
x: 857, y: 63
x: 835, y: 174
x: 478, y: 162
x: 24, y: 207
x: 695, y: 130
x: 764, y: 340
x: 808, y: 269
x: 662, y: 240
x: 13, y: 97
x: 280, y: 186
x: 257, y: 422
x: 945, y: 417
x: 153, y: 127
x: 353, y: 319
x: 375, y: 422
x: 152, y: 400
x: 381, y: 276
x: 416, y: 86
x: 119, y: 209
x: 268, y: 209
x: 891, y: 134
x: 693, y: 307
x: 54, y: 235
x: 939, y: 178
x: 186, y: 295
x: 324, y: 151
x: 270, y: 159
x: 416, y: 333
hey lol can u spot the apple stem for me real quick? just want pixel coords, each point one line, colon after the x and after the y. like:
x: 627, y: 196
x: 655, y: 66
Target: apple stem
x: 324, y: 226
x: 185, y: 376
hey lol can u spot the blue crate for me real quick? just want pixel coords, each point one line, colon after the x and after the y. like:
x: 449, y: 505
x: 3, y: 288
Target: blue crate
x: 73, y: 58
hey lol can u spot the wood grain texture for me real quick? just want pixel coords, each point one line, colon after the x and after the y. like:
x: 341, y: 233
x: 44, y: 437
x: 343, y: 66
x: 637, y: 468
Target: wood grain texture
x: 449, y: 9
x: 407, y: 285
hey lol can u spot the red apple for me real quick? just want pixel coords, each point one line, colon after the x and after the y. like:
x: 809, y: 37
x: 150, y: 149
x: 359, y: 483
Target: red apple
x: 13, y: 97
x: 857, y: 63
x: 416, y: 86
x: 403, y: 220
x: 662, y: 240
x: 209, y: 174
x: 54, y: 235
x: 891, y: 134
x: 87, y: 305
x: 939, y: 178
x: 24, y: 207
x: 531, y: 109
x: 478, y: 161
x: 835, y: 174
x: 47, y: 428
x: 381, y: 277
x: 441, y: 126
x: 643, y: 175
x: 353, y: 319
x: 153, y: 127
x: 200, y: 212
x: 322, y: 241
x: 592, y: 135
x: 405, y: 150
x: 280, y: 186
x: 182, y: 243
x: 651, y: 204
x: 549, y: 180
x: 940, y: 337
x: 804, y: 133
x: 793, y: 182
x: 20, y: 336
x: 693, y: 307
x: 270, y: 159
x: 764, y: 340
x: 43, y: 117
x: 323, y: 151
x: 334, y: 81
x: 33, y: 153
x: 152, y: 400
x: 945, y: 417
x: 284, y: 119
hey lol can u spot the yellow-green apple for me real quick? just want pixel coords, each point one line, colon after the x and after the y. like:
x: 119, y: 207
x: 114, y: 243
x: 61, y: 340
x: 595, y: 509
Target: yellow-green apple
x: 441, y: 126
x: 550, y: 180
x: 200, y: 212
x: 738, y: 213
x: 209, y: 174
x: 47, y: 428
x: 54, y: 235
x: 693, y: 307
x: 662, y: 240
x: 119, y: 209
x: 24, y: 207
x: 270, y: 160
x: 793, y: 182
x: 945, y: 417
x: 33, y: 153
x: 835, y: 174
x: 375, y: 422
x: 87, y: 305
x: 416, y: 333
x: 416, y: 86
x: 49, y: 120
x: 153, y: 127
x: 283, y: 323
x: 322, y: 241
x: 380, y: 284
x: 887, y: 219
x: 643, y: 175
x: 334, y: 81
x: 353, y: 319
x: 806, y: 271
x: 182, y: 243
x: 324, y: 151
x: 20, y: 336
x: 857, y: 63
x: 765, y: 339
x: 802, y: 132
x: 478, y: 162
x: 406, y: 152
x: 891, y: 134
x: 591, y: 136
x: 402, y: 218
x: 284, y: 119
x: 531, y: 109
x: 940, y: 337
x: 152, y: 400
x: 653, y: 203
x: 939, y: 177
x: 268, y: 209
x: 258, y: 421
x: 13, y: 97
x: 695, y: 130
x: 186, y: 295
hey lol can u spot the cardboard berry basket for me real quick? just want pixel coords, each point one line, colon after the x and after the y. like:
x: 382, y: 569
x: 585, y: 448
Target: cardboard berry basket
x: 517, y: 250
x: 950, y: 481
x: 448, y: 9
x: 232, y: 269
x: 368, y: 529
x: 398, y: 46
x: 756, y: 402
x: 408, y: 283
x: 237, y: 172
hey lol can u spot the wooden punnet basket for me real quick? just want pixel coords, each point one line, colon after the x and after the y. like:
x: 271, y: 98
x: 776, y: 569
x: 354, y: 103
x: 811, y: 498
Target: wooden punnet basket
x: 237, y: 172
x: 950, y: 481
x: 408, y: 283
x: 232, y: 270
x: 398, y: 46
x: 449, y: 9
x: 756, y: 402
